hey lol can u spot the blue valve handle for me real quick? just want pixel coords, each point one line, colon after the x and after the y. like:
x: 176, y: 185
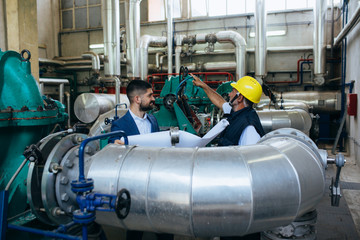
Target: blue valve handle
x: 119, y: 133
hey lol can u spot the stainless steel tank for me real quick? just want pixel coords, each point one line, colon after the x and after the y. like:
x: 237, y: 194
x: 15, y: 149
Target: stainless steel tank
x: 88, y: 106
x: 201, y: 192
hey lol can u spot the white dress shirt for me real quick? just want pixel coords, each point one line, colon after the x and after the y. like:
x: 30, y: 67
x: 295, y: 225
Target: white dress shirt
x: 143, y: 124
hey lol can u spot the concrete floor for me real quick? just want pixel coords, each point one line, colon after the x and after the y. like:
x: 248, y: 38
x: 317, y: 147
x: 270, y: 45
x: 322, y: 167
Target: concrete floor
x: 333, y: 223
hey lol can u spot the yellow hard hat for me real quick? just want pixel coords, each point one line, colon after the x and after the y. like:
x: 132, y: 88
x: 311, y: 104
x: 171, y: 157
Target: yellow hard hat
x: 249, y: 87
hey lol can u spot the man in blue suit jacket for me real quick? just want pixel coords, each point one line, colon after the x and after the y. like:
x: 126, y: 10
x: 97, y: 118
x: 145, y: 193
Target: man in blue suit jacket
x: 136, y: 120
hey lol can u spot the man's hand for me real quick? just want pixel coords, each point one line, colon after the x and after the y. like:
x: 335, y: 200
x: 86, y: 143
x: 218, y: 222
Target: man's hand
x: 197, y: 82
x: 118, y: 141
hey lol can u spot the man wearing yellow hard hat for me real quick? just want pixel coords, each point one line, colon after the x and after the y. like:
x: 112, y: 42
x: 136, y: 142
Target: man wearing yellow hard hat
x: 245, y: 127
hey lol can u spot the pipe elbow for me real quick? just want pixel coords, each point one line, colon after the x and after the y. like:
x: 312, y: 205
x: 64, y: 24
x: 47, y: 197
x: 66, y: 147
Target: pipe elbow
x: 232, y: 36
x: 95, y: 60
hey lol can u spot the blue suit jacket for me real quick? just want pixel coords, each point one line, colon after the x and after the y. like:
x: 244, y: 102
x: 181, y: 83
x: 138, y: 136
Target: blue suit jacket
x: 128, y: 125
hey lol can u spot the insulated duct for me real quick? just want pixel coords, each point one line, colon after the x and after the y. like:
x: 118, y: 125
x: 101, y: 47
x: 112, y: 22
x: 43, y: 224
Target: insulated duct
x: 133, y: 37
x: 170, y: 34
x: 145, y: 42
x: 319, y: 41
x: 111, y: 31
x: 198, y: 192
x: 260, y: 41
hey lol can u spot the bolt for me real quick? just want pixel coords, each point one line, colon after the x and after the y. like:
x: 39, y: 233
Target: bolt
x: 56, y: 211
x: 69, y: 163
x: 79, y: 139
x: 65, y: 197
x: 31, y: 159
x: 64, y: 180
x: 70, y: 209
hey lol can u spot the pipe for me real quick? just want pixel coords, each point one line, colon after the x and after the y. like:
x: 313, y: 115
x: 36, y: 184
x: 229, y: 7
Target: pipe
x: 95, y: 60
x: 327, y: 101
x: 260, y: 41
x: 68, y: 108
x: 240, y: 49
x: 179, y: 41
x: 157, y: 59
x: 145, y: 42
x: 348, y: 27
x: 111, y: 33
x: 55, y: 81
x: 133, y: 37
x: 88, y: 106
x: 319, y: 41
x: 61, y: 93
x: 291, y: 118
x: 219, y: 66
x: 206, y: 193
x: 170, y: 35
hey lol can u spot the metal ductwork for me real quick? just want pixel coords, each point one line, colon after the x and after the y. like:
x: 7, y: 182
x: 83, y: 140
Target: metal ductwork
x: 88, y: 106
x: 133, y: 37
x: 260, y: 41
x: 293, y: 118
x: 198, y: 192
x: 170, y: 34
x: 318, y: 102
x: 145, y: 42
x: 319, y: 41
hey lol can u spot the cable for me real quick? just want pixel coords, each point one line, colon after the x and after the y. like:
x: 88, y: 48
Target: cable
x: 15, y: 175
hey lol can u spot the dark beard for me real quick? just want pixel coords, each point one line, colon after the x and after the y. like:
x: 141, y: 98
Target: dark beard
x: 146, y: 108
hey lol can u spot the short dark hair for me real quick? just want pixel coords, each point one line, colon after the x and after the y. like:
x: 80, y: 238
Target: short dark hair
x: 136, y: 87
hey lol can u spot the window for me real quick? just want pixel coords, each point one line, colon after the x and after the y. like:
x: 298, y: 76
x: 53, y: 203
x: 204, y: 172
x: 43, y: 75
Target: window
x: 158, y: 8
x: 198, y: 8
x: 80, y: 14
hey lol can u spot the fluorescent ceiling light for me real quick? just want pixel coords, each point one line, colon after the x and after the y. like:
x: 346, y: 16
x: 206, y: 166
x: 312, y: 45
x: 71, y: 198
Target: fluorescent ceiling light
x: 100, y: 45
x: 271, y: 33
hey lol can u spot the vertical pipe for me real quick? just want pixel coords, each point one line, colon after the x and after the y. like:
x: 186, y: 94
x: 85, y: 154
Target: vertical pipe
x: 41, y: 88
x: 133, y: 38
x: 179, y: 42
x: 260, y: 40
x: 61, y: 93
x: 319, y: 41
x: 111, y: 32
x: 170, y: 34
x: 68, y: 108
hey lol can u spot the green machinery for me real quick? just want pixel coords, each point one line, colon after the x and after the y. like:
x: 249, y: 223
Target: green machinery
x: 25, y: 118
x: 186, y: 106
